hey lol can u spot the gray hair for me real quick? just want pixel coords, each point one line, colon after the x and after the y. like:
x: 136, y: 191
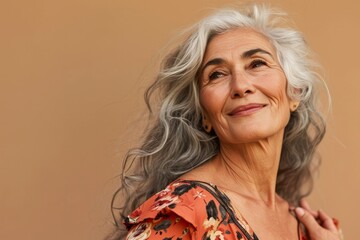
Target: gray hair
x: 175, y: 142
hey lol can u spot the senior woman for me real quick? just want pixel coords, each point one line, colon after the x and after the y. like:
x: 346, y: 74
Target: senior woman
x: 228, y: 154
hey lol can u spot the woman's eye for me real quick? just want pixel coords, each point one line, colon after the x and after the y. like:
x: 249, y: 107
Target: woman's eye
x: 257, y: 63
x: 215, y: 75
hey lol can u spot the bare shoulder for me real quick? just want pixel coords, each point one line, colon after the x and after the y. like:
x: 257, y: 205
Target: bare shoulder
x: 204, y: 173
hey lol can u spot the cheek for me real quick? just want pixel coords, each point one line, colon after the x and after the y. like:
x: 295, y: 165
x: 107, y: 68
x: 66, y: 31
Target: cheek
x: 283, y: 98
x: 212, y: 100
x: 275, y: 88
x: 208, y: 104
x: 281, y: 101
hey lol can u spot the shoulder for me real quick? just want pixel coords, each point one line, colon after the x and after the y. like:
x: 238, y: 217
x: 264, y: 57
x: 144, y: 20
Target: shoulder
x: 186, y: 199
x: 187, y: 208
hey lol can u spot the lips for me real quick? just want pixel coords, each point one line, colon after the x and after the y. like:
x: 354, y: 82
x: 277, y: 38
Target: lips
x: 247, y: 109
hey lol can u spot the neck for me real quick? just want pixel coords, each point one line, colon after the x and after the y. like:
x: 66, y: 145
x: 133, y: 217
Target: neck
x: 253, y: 166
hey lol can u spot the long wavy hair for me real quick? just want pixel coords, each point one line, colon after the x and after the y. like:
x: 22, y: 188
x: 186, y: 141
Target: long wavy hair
x: 175, y: 142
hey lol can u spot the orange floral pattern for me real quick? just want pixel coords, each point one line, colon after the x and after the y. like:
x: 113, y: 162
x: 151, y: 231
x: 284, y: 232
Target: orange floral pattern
x: 187, y: 210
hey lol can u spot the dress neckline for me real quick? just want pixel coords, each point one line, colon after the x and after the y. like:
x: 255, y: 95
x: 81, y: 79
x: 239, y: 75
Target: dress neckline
x: 240, y: 221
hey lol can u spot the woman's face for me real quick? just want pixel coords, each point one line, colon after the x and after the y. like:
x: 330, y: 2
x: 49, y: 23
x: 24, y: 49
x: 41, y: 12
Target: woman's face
x: 243, y: 88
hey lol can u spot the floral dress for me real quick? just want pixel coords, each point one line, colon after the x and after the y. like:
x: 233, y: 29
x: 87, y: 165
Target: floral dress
x: 189, y: 210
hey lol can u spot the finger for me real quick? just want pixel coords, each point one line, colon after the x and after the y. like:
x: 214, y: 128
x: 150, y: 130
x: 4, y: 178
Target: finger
x: 327, y: 222
x: 307, y: 219
x: 304, y: 204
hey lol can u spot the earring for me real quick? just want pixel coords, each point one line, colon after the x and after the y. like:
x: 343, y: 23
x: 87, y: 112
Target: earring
x: 294, y: 107
x: 206, y: 127
x: 205, y: 124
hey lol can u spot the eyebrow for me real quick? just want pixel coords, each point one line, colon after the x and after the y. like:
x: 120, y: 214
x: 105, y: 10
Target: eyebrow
x: 251, y: 52
x: 215, y: 61
x: 247, y: 54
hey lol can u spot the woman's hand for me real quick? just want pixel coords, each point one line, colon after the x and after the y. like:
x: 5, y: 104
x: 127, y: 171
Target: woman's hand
x: 318, y: 224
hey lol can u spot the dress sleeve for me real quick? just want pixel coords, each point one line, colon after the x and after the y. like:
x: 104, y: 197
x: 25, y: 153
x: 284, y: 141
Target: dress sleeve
x: 169, y: 214
x: 183, y: 210
x: 163, y: 227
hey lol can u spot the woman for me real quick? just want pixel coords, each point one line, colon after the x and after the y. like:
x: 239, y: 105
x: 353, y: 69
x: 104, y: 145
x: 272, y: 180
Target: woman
x: 229, y: 153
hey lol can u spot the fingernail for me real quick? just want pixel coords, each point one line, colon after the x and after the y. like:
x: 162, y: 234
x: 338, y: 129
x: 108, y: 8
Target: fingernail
x: 299, y: 211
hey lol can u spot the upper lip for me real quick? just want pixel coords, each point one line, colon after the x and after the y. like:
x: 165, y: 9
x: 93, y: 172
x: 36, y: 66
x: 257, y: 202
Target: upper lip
x: 246, y: 107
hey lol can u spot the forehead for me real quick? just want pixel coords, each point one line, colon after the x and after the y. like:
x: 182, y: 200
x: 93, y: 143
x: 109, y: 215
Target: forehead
x: 240, y: 39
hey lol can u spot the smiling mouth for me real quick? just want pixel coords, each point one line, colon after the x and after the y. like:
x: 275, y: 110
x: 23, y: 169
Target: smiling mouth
x: 245, y: 110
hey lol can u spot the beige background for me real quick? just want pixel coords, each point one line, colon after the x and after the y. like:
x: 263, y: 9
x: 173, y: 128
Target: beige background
x: 72, y: 75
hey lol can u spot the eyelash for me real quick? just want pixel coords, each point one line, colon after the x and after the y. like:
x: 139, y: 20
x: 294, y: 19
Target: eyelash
x: 256, y: 62
x: 215, y: 75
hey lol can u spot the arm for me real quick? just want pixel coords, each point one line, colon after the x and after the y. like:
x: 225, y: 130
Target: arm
x: 318, y: 224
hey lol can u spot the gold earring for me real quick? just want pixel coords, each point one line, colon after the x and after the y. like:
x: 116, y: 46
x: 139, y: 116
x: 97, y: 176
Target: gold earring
x: 207, y: 127
x: 294, y: 107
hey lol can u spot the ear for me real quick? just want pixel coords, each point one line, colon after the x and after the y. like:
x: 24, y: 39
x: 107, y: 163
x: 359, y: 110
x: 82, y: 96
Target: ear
x: 206, y: 124
x: 294, y: 105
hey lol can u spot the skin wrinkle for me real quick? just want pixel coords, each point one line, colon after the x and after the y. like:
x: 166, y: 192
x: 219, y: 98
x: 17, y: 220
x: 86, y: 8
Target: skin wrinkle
x: 258, y: 174
x: 253, y: 160
x: 179, y: 74
x: 247, y: 54
x: 250, y: 143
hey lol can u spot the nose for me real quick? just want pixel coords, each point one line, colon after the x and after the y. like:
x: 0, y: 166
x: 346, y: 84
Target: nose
x: 241, y: 85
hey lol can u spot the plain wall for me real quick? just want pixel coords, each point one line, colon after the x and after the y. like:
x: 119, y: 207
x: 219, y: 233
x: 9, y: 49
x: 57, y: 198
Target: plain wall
x: 72, y: 76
